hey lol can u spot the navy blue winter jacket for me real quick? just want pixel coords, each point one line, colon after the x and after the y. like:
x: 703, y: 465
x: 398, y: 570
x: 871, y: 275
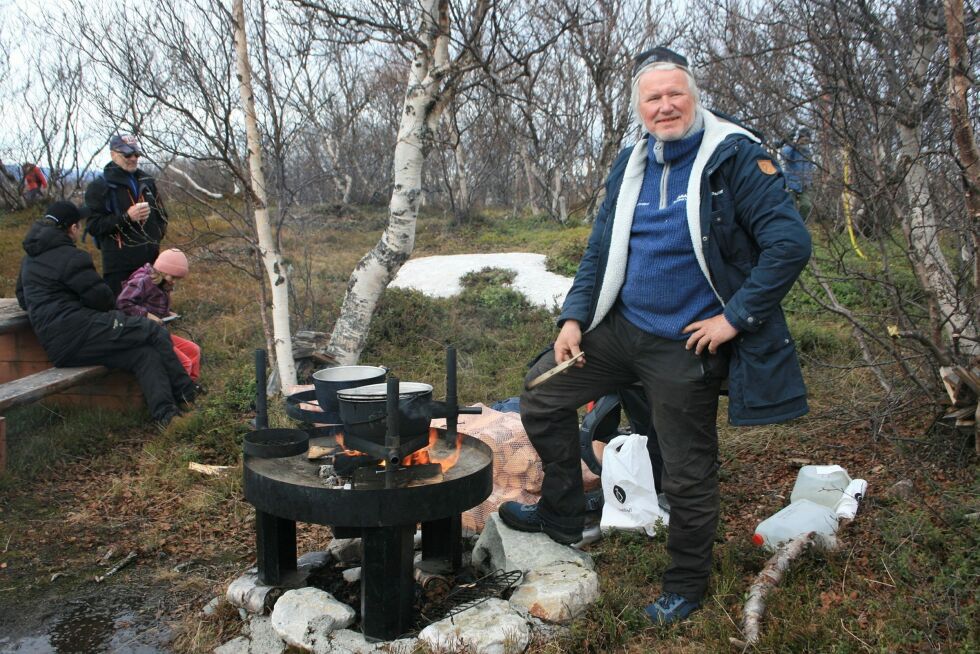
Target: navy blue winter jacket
x: 753, y: 246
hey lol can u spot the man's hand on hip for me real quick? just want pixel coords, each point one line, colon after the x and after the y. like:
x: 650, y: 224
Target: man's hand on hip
x: 710, y: 333
x: 569, y: 342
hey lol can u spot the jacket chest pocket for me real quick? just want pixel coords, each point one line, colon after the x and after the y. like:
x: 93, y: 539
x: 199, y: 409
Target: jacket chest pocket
x: 732, y: 241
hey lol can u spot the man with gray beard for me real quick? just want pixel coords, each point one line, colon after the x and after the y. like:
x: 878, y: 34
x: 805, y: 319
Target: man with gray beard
x: 693, y: 249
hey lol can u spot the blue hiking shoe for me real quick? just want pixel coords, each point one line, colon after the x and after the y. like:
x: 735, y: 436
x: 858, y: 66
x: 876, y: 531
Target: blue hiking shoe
x: 670, y: 608
x: 525, y: 517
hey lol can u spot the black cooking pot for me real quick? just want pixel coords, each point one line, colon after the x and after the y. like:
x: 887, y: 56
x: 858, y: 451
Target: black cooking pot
x: 328, y: 381
x: 364, y: 410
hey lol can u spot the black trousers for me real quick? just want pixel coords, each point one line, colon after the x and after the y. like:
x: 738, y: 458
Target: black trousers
x: 143, y: 348
x: 682, y: 389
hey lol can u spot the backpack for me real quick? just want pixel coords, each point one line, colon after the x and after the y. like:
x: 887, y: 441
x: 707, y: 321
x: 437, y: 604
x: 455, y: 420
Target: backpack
x: 110, y: 207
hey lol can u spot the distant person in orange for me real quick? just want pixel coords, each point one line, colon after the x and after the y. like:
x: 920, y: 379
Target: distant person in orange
x: 146, y: 293
x: 35, y: 183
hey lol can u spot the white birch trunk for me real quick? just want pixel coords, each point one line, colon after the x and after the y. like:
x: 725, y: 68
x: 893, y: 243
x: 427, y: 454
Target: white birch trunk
x: 420, y: 115
x: 963, y: 133
x: 532, y: 194
x: 462, y: 186
x: 921, y: 225
x: 268, y: 248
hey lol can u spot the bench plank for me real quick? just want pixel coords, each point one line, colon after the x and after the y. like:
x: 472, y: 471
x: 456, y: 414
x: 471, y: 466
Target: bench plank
x: 12, y: 317
x: 34, y: 387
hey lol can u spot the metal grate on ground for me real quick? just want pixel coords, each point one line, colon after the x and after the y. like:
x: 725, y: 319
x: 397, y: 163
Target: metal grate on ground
x: 469, y: 595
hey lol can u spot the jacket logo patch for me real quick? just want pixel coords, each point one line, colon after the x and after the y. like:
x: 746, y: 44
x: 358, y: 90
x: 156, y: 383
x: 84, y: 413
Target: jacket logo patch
x: 766, y: 166
x: 721, y: 192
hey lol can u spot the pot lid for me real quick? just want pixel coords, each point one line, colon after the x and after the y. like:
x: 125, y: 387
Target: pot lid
x: 380, y: 391
x: 348, y: 373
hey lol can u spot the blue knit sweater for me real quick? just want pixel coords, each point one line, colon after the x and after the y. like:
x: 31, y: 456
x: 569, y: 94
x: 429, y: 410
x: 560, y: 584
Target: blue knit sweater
x: 665, y: 290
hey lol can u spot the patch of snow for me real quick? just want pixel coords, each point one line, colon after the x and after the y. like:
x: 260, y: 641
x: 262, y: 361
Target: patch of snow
x: 439, y: 276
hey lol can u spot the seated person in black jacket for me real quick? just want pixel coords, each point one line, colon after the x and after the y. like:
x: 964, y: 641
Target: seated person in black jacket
x: 72, y: 311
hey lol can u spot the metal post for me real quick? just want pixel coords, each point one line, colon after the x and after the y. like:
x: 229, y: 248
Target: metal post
x: 452, y: 404
x: 261, y: 409
x: 392, y: 439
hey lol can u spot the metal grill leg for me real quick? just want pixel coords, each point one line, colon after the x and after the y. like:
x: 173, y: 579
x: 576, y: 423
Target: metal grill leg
x: 442, y: 545
x: 387, y: 581
x: 275, y: 544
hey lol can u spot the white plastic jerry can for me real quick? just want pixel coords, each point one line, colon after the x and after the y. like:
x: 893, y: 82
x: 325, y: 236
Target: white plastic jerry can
x: 796, y: 519
x: 821, y: 484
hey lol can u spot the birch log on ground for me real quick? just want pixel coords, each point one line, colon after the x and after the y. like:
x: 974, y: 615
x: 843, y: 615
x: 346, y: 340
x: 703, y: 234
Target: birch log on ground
x: 268, y: 248
x: 421, y: 110
x: 765, y: 582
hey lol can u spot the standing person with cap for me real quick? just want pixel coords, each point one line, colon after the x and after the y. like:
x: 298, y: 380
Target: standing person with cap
x: 127, y: 219
x: 692, y: 250
x: 798, y: 167
x: 71, y: 309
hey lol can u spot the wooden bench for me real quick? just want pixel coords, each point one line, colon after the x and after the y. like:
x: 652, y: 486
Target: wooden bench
x: 27, y: 375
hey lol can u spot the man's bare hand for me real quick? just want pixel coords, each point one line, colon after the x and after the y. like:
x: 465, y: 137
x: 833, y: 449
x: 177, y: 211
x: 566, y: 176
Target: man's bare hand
x: 710, y: 333
x: 569, y: 342
x: 139, y: 212
x: 154, y: 317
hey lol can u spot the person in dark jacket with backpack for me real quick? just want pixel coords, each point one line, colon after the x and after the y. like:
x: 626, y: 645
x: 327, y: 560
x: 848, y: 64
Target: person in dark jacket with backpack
x: 694, y: 247
x: 128, y: 219
x: 71, y: 309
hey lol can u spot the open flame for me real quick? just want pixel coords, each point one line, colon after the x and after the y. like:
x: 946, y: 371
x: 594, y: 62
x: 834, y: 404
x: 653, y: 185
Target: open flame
x: 339, y: 437
x: 424, y: 456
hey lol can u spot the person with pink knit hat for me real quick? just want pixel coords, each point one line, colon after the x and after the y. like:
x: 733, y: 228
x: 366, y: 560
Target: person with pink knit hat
x: 147, y: 293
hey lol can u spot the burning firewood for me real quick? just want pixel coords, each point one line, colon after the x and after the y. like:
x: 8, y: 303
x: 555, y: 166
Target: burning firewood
x: 319, y: 452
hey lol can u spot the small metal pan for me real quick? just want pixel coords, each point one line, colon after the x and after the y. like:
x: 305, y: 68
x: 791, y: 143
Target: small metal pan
x: 275, y: 443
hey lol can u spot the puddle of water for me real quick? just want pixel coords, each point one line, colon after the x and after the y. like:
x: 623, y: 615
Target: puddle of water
x: 90, y: 626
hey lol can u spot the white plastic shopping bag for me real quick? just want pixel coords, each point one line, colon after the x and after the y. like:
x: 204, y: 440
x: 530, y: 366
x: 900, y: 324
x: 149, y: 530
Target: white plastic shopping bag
x: 630, y: 498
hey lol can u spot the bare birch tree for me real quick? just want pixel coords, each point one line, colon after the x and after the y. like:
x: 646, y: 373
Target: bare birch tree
x: 425, y: 99
x: 268, y: 247
x: 963, y: 133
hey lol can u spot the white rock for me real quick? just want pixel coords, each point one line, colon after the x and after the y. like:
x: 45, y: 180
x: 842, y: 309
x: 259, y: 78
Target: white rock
x: 313, y: 561
x: 345, y: 550
x: 557, y: 593
x: 492, y: 627
x: 503, y: 548
x: 211, y: 607
x: 345, y: 641
x: 236, y: 646
x: 306, y: 616
x: 902, y: 490
x: 264, y: 638
x: 351, y: 575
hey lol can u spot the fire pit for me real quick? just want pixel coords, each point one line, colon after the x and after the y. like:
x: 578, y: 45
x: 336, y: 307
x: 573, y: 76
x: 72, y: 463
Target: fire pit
x: 381, y: 504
